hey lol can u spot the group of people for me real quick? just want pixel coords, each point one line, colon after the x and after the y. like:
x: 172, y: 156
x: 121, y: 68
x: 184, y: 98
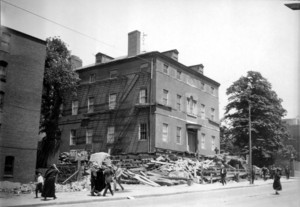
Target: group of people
x: 103, y: 176
x: 275, y: 174
x: 46, y: 185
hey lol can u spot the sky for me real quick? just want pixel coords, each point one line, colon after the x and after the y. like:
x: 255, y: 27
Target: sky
x: 229, y: 37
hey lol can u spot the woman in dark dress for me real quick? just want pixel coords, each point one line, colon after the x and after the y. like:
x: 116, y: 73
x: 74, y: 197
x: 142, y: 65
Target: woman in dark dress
x: 276, y: 184
x: 49, y: 183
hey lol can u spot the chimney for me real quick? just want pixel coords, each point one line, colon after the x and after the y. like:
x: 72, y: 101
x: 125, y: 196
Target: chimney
x: 76, y: 62
x: 134, y: 43
x: 172, y: 54
x: 197, y: 68
x: 102, y: 58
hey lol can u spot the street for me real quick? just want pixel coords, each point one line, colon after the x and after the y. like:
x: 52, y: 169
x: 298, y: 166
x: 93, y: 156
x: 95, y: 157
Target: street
x: 248, y: 196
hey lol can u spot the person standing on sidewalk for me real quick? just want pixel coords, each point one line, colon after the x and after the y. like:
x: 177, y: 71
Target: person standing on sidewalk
x: 287, y: 172
x: 108, y: 174
x: 223, y: 173
x: 39, y: 184
x: 253, y: 175
x: 264, y: 172
x: 277, y: 184
x: 49, y: 185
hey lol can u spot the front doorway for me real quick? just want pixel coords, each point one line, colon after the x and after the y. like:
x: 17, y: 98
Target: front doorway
x: 192, y: 140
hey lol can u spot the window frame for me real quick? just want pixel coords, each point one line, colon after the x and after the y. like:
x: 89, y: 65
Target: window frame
x: 143, y: 97
x: 166, y: 69
x: 112, y: 104
x: 110, y: 136
x: 75, y: 108
x: 113, y: 74
x: 92, y: 78
x: 202, y: 109
x: 212, y: 114
x: 143, y: 131
x: 178, y: 130
x: 178, y: 75
x: 165, y: 97
x: 72, y: 137
x: 202, y: 141
x: 89, y: 133
x: 213, y: 143
x: 165, y: 132
x: 178, y: 103
x: 91, y: 107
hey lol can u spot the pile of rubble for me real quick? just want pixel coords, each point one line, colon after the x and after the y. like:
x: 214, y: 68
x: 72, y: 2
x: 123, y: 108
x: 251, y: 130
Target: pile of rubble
x: 164, y: 170
x: 170, y: 170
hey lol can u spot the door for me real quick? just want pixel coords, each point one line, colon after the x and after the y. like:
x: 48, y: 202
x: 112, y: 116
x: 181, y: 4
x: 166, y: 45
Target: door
x: 192, y: 140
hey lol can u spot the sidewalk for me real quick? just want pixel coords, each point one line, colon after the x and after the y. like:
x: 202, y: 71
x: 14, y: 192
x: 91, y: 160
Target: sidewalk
x: 131, y: 191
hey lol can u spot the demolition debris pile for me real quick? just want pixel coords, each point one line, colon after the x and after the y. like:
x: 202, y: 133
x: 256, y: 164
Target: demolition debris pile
x: 171, y: 170
x: 161, y: 170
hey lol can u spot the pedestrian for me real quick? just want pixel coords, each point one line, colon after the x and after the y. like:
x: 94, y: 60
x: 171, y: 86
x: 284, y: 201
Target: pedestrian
x: 49, y: 184
x: 287, y: 172
x: 97, y: 180
x: 253, y: 175
x: 264, y: 172
x: 117, y: 177
x: 108, y: 174
x: 223, y: 173
x: 276, y: 184
x: 39, y: 184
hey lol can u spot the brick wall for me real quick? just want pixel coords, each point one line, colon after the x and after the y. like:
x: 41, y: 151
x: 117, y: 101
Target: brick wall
x: 22, y: 103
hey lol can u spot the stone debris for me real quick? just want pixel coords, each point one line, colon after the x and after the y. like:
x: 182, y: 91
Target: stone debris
x: 163, y: 170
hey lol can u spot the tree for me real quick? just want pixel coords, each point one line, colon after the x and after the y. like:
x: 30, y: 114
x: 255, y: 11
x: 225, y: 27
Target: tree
x: 59, y: 78
x: 267, y: 128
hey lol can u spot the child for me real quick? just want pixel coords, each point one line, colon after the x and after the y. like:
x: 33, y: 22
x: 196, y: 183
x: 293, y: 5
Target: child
x: 108, y: 174
x: 39, y: 184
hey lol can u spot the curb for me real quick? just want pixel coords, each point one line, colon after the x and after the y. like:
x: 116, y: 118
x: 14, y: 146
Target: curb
x: 142, y: 196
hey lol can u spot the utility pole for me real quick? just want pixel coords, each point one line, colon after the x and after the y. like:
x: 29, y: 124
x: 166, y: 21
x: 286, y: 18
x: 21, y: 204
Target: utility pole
x: 250, y: 143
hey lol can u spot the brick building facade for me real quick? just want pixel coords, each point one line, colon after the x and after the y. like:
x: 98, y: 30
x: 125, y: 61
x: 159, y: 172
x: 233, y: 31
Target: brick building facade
x: 145, y: 102
x: 22, y: 59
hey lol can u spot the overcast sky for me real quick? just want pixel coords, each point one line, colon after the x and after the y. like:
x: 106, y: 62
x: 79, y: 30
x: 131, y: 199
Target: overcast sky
x: 229, y: 37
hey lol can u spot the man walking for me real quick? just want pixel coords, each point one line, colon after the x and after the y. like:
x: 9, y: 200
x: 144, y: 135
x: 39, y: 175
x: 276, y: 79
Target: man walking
x: 223, y: 173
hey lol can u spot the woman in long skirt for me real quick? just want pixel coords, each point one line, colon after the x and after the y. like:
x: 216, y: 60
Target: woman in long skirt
x: 49, y: 183
x: 276, y: 184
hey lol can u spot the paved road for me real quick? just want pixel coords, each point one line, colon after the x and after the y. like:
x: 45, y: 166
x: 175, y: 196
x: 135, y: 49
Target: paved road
x: 249, y: 196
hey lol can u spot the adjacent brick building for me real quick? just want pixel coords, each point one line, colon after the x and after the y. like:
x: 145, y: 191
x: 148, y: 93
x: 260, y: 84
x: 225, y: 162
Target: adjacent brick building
x: 142, y: 103
x: 22, y: 59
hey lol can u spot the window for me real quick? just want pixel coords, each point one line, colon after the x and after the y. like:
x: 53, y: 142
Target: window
x: 212, y: 90
x: 91, y: 105
x: 178, y: 135
x: 2, y: 71
x: 179, y: 102
x: 202, y: 111
x: 202, y: 141
x: 110, y: 135
x: 143, y: 96
x: 74, y: 107
x: 112, y: 101
x: 191, y: 106
x: 202, y: 86
x: 165, y: 97
x: 213, y: 143
x: 113, y: 74
x: 143, y: 131
x: 73, y: 137
x: 212, y: 114
x: 178, y: 75
x: 165, y: 133
x: 92, y: 78
x: 89, y: 136
x: 9, y: 165
x: 166, y: 69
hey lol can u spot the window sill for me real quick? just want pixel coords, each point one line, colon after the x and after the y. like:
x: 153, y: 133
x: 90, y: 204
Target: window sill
x: 192, y: 115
